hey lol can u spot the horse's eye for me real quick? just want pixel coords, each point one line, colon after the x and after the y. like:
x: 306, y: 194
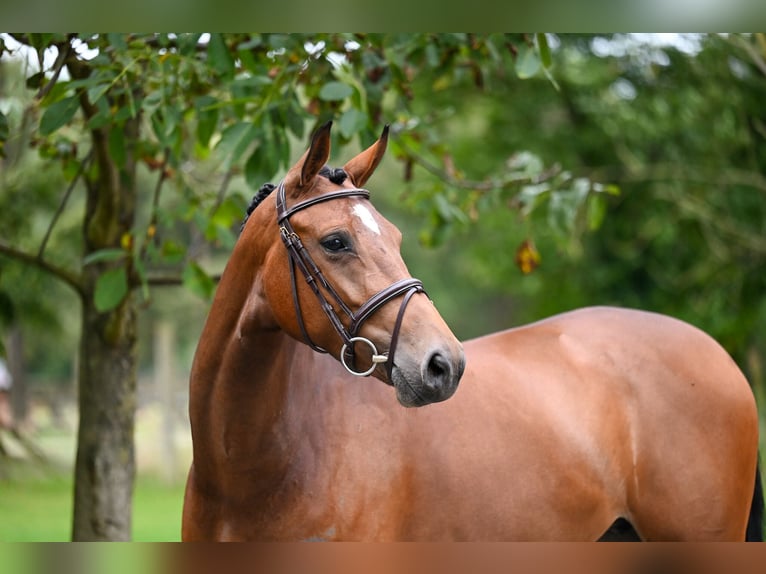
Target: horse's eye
x: 334, y: 244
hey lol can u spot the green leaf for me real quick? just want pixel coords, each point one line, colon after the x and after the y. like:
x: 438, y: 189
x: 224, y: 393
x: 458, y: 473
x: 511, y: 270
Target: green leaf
x: 295, y: 120
x: 95, y: 93
x: 527, y: 63
x: 207, y: 119
x: 111, y: 289
x: 531, y: 196
x: 596, y: 212
x: 113, y: 254
x: 234, y: 142
x: 117, y: 145
x: 260, y: 166
x: 335, y: 91
x: 117, y: 41
x: 152, y: 101
x: 102, y: 117
x: 544, y: 49
x: 197, y: 281
x: 4, y: 130
x: 220, y: 57
x: 58, y: 114
x: 172, y: 251
x: 609, y: 188
x: 35, y: 80
x: 351, y: 122
x: 229, y: 212
x: 166, y: 123
x: 139, y: 266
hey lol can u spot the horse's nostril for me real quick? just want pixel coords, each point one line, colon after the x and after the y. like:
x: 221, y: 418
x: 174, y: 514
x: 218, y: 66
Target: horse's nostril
x: 438, y: 370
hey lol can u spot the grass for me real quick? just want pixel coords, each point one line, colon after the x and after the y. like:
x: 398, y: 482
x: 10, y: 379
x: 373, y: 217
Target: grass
x: 36, y: 506
x: 36, y: 497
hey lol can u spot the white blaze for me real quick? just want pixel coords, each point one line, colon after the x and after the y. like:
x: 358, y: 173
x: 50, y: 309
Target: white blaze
x: 369, y: 221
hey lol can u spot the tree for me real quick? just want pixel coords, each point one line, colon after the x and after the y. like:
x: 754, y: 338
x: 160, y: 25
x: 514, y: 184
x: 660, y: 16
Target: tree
x: 112, y: 112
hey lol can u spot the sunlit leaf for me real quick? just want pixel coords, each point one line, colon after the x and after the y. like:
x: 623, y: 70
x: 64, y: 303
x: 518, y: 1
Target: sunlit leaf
x: 531, y: 196
x: 544, y: 49
x: 111, y: 289
x: 596, y: 212
x: 229, y: 212
x: 527, y: 62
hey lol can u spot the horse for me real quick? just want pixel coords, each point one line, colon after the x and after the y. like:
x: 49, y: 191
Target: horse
x: 599, y: 423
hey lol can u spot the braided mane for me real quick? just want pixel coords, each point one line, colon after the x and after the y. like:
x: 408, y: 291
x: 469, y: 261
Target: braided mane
x: 335, y: 175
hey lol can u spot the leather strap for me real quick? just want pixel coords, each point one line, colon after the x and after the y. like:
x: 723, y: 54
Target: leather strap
x: 300, y: 258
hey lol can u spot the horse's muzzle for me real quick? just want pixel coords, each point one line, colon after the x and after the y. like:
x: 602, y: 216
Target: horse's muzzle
x: 437, y: 380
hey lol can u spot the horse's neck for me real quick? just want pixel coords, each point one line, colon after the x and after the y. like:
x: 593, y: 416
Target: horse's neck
x: 240, y: 378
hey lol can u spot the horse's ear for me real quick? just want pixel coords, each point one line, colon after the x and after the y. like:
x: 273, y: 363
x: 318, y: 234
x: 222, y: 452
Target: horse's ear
x: 307, y: 167
x: 361, y: 167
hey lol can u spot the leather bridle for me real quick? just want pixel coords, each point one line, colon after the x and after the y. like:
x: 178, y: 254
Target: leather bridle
x: 300, y: 258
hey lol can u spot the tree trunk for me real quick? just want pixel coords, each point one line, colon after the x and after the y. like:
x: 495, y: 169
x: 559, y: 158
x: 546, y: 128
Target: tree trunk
x: 19, y: 395
x: 105, y: 464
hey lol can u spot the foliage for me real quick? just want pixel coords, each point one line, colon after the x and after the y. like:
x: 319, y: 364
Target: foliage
x: 223, y: 108
x: 679, y: 133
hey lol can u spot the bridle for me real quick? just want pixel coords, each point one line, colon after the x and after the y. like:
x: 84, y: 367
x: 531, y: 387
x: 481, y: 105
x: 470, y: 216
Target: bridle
x: 300, y: 258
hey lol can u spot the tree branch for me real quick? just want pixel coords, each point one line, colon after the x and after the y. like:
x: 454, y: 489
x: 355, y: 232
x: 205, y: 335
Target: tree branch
x: 64, y: 200
x: 172, y: 280
x: 57, y: 67
x: 222, y: 190
x: 752, y: 52
x: 727, y: 177
x: 68, y: 277
x: 151, y: 229
x: 473, y: 185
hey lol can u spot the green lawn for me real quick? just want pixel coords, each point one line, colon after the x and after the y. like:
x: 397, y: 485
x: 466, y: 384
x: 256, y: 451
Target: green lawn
x: 36, y: 506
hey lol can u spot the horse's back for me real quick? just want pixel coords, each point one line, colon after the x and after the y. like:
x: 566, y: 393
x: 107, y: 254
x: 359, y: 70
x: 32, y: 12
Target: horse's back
x: 643, y: 406
x: 646, y: 352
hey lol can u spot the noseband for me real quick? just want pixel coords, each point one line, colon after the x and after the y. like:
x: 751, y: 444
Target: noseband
x: 300, y: 258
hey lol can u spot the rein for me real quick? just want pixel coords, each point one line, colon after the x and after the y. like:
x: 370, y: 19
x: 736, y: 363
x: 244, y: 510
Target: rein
x: 300, y: 258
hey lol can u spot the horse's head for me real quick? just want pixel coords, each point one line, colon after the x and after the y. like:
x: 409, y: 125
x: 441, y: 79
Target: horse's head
x: 333, y: 277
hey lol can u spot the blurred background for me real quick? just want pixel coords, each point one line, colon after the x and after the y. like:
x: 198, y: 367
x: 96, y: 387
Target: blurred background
x: 530, y: 174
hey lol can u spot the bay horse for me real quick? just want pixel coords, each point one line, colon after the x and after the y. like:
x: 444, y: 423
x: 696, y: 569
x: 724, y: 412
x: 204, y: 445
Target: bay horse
x: 601, y: 423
